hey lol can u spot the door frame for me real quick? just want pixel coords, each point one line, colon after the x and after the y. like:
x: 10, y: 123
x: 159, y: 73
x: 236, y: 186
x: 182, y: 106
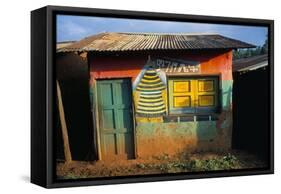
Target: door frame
x: 96, y: 117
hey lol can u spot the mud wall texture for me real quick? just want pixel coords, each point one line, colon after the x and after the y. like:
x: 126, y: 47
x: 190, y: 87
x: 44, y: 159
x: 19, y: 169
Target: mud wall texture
x: 157, y: 130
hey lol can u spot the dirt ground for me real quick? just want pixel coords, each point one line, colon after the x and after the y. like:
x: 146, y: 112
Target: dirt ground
x: 159, y: 164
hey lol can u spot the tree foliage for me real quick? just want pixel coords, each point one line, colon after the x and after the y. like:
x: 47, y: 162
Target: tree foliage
x: 244, y: 53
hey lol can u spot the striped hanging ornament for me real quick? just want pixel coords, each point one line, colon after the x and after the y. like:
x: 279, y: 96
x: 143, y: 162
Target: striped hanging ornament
x: 150, y: 87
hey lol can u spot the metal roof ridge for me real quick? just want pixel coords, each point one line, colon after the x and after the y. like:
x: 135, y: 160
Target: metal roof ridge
x: 166, y: 33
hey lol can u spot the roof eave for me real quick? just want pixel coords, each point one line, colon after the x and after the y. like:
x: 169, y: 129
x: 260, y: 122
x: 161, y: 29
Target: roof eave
x: 63, y: 50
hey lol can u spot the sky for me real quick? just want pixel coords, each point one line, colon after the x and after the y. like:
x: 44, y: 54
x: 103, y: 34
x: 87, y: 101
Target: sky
x: 71, y: 28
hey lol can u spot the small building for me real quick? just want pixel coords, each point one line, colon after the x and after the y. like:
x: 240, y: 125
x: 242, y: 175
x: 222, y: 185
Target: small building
x: 63, y: 44
x: 154, y: 94
x: 251, y: 78
x: 248, y: 64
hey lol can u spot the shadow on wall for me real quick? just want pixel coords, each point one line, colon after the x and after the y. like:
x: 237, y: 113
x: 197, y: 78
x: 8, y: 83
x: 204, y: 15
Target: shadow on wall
x: 73, y: 76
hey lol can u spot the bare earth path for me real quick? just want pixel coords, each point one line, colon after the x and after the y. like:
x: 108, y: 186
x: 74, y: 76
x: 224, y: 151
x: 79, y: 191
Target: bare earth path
x: 160, y: 164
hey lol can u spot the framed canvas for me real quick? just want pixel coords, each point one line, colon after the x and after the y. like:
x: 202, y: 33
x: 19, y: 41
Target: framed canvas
x: 125, y: 96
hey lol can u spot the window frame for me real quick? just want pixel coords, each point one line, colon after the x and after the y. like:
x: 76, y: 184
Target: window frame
x: 195, y: 110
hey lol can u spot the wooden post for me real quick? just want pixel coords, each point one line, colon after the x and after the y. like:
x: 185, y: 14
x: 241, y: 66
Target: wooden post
x: 66, y: 148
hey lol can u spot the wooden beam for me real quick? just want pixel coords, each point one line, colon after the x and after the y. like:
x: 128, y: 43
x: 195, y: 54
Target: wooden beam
x: 66, y: 148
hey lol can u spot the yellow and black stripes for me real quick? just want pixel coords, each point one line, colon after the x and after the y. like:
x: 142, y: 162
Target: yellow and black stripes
x: 150, y: 101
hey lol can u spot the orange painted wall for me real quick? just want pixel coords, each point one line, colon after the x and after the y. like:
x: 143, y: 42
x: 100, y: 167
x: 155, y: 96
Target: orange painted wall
x: 221, y: 63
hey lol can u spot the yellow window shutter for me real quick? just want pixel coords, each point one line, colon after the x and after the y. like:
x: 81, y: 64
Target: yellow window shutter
x: 180, y: 93
x: 192, y: 93
x: 207, y: 92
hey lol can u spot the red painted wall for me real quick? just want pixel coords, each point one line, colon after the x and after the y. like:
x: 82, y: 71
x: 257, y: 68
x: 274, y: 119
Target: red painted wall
x: 212, y: 62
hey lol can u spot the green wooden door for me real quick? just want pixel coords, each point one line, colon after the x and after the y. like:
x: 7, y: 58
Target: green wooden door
x: 115, y: 119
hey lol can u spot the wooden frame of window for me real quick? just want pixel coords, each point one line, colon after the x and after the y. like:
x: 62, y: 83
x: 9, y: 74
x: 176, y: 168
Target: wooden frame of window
x: 193, y: 94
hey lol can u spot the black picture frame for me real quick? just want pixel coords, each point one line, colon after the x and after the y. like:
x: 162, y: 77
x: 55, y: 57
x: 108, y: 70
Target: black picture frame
x: 43, y: 49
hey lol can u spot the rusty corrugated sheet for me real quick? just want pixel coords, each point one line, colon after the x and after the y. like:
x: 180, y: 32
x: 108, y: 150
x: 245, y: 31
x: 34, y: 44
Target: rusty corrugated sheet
x: 64, y: 44
x: 153, y: 41
x: 254, y: 62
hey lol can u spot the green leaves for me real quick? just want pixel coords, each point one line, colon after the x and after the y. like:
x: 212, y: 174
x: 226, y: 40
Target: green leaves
x: 226, y: 162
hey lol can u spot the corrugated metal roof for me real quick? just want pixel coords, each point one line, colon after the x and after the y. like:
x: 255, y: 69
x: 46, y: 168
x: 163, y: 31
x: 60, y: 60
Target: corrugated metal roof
x: 64, y: 44
x: 250, y: 63
x: 153, y: 41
